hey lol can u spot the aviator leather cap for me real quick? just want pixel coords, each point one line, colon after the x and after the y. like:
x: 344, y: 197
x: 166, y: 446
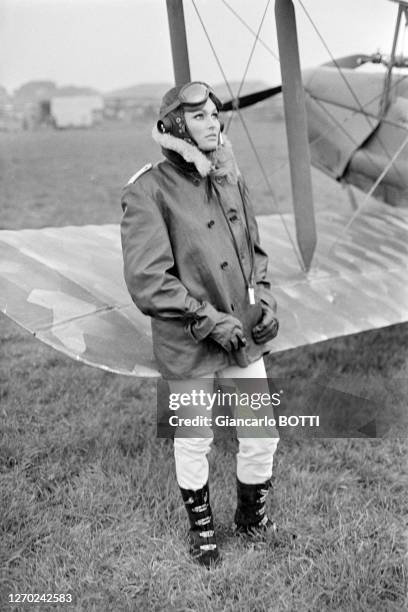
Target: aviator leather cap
x: 169, y: 98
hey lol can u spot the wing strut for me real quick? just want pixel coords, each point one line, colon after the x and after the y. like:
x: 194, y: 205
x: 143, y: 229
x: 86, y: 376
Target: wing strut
x: 178, y: 37
x: 296, y: 129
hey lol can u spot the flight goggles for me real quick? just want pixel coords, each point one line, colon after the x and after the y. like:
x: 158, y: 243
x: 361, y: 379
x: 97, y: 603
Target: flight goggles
x: 193, y: 94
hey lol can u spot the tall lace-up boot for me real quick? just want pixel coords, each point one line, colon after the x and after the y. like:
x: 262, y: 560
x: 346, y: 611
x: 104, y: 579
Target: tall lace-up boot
x: 250, y: 515
x: 203, y: 546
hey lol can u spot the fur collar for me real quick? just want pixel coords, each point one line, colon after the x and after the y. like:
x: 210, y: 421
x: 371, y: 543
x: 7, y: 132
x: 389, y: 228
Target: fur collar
x: 219, y: 163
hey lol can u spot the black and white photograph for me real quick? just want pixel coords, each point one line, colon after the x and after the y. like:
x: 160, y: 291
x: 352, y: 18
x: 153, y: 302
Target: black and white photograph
x: 204, y: 305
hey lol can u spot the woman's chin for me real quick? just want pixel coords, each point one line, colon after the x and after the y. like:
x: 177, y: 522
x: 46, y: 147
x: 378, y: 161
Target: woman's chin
x: 208, y: 147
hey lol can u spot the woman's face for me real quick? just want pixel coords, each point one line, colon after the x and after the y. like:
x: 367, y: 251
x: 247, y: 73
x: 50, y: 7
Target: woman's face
x: 204, y: 126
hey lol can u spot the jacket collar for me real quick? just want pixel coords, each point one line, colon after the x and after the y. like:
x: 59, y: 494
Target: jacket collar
x: 189, y: 169
x: 193, y: 162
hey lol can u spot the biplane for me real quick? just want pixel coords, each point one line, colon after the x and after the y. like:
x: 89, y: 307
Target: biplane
x: 333, y: 273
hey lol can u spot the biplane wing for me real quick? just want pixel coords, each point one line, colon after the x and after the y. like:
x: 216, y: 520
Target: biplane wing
x: 65, y: 285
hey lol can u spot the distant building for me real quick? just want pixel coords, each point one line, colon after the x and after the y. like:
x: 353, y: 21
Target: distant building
x: 76, y: 111
x: 131, y: 108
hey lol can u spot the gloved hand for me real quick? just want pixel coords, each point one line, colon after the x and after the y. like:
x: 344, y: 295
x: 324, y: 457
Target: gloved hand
x: 229, y: 333
x: 268, y: 326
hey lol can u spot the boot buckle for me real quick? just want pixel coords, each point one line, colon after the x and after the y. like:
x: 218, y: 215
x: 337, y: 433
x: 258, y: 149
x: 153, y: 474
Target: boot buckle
x: 208, y: 546
x: 201, y: 508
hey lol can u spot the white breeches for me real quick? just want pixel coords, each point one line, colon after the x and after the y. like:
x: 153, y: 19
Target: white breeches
x: 255, y: 455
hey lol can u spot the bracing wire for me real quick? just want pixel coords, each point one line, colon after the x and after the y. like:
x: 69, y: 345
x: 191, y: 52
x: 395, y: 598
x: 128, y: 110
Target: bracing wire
x: 325, y: 110
x: 249, y: 137
x: 331, y: 128
x: 369, y: 194
x: 335, y: 62
x: 250, y: 59
x: 340, y: 124
x: 349, y: 87
x: 391, y: 160
x: 361, y: 107
x: 244, y: 23
x: 355, y: 142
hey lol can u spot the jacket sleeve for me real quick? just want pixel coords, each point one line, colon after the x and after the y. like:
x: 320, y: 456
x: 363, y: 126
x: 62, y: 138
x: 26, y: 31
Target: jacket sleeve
x: 261, y: 258
x: 149, y: 267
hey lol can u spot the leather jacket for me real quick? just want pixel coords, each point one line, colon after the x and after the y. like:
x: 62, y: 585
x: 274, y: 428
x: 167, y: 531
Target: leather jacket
x: 190, y: 246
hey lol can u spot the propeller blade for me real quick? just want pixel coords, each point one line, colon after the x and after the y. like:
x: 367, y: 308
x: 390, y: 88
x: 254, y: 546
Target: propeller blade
x: 249, y: 99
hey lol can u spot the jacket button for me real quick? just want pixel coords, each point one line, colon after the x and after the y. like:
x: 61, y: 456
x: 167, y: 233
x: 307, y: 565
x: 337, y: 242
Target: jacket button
x: 211, y: 223
x: 224, y: 264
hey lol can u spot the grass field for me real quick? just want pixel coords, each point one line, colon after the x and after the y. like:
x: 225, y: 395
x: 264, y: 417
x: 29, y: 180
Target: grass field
x: 89, y: 504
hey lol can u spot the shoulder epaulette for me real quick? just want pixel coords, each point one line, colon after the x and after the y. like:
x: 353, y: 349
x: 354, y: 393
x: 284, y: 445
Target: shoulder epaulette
x: 139, y: 173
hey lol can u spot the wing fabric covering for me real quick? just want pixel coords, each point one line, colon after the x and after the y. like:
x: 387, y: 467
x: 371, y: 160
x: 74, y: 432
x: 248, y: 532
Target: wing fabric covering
x: 360, y: 284
x: 65, y: 285
x: 337, y: 122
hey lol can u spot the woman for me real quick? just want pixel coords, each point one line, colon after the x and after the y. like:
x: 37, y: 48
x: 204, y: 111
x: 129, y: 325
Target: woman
x: 193, y: 263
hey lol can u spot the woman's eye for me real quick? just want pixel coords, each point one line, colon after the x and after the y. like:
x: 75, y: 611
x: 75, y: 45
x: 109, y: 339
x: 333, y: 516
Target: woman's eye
x: 198, y: 116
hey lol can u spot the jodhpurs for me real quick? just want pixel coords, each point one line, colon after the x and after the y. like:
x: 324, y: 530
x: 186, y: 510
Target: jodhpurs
x: 255, y: 455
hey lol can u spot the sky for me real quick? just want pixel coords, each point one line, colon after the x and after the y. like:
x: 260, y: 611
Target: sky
x: 111, y: 44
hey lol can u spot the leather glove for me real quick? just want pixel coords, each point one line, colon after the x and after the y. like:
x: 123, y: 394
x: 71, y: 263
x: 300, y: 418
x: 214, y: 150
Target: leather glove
x: 229, y: 333
x: 268, y: 326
